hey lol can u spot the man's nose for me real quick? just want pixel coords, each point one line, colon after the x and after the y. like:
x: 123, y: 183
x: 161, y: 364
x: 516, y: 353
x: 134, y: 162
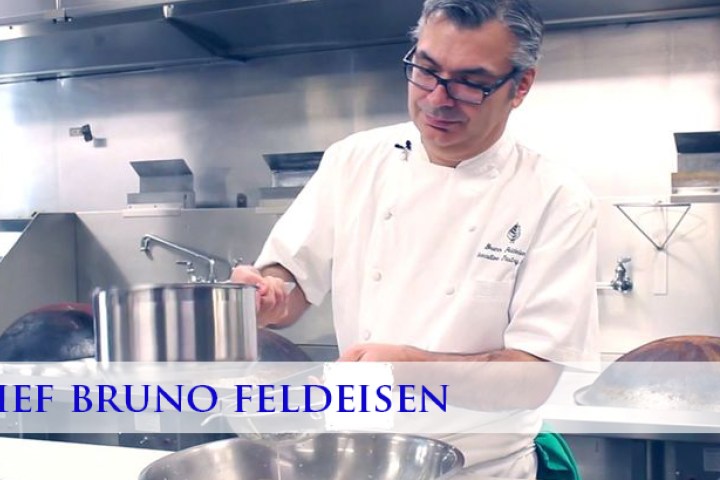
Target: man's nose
x: 440, y: 97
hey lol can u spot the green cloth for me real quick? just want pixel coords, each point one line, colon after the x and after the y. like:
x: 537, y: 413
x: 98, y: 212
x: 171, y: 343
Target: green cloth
x: 555, y: 459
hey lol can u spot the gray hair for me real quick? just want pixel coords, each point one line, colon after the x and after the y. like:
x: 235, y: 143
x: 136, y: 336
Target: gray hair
x: 520, y: 16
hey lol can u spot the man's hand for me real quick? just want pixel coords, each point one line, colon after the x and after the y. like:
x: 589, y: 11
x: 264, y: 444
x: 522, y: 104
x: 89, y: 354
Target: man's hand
x: 378, y: 352
x: 271, y: 300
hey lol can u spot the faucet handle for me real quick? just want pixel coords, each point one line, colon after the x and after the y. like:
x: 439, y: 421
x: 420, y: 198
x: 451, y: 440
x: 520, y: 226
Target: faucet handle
x: 190, y: 270
x: 622, y: 282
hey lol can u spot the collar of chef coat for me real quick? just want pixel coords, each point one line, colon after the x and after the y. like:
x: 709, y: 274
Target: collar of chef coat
x: 488, y: 163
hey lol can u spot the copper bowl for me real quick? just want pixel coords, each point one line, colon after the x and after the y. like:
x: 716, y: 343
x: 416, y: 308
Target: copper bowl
x: 673, y: 373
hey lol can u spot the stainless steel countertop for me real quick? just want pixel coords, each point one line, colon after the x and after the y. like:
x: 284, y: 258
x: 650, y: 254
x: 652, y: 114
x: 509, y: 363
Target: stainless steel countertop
x: 25, y: 459
x: 566, y: 416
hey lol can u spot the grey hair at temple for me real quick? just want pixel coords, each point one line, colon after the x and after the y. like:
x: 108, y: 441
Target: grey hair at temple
x: 520, y: 16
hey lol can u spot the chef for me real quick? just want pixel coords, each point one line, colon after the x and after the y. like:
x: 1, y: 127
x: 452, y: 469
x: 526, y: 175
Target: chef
x: 444, y: 238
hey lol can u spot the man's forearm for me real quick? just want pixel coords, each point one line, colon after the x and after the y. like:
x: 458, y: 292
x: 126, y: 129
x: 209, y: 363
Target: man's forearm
x: 504, y: 355
x: 496, y: 380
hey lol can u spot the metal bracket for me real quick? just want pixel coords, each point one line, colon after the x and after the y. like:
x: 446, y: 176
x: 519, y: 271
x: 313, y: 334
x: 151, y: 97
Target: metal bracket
x: 58, y: 15
x: 209, y: 41
x: 661, y: 246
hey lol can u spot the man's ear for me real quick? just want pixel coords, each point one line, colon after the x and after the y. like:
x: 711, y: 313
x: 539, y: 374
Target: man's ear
x: 523, y: 87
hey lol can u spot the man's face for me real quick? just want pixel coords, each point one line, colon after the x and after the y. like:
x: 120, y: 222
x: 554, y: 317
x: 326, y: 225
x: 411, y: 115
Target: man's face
x: 453, y: 131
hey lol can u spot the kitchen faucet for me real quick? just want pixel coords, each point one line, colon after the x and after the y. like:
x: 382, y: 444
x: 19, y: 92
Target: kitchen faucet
x: 145, y: 247
x: 622, y: 282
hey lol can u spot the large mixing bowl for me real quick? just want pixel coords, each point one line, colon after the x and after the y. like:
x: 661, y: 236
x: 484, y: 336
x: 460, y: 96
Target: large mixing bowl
x: 176, y: 322
x: 327, y: 456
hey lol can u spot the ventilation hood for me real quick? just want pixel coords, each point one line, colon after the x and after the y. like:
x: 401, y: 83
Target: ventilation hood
x: 48, y: 39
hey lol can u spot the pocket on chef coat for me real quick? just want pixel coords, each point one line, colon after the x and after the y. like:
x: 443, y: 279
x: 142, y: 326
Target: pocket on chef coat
x: 492, y: 290
x: 476, y: 321
x: 491, y: 301
x: 489, y: 306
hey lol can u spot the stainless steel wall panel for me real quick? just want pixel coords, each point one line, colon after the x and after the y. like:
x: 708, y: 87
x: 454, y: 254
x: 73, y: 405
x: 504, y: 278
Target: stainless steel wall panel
x: 28, y: 165
x: 273, y: 106
x: 12, y: 11
x: 40, y: 269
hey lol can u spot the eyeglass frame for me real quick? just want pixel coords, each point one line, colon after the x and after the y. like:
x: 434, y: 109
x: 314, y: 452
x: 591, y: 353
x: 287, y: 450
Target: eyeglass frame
x: 487, y: 91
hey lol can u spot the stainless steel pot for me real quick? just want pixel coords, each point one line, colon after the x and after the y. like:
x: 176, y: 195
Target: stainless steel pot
x: 328, y: 456
x: 176, y: 322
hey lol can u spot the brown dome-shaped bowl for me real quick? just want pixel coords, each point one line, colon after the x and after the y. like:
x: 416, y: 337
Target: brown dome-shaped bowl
x: 54, y: 333
x: 695, y: 348
x: 674, y: 373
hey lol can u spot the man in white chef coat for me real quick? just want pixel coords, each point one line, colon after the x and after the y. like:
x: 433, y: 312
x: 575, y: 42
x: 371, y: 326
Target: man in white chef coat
x: 445, y: 239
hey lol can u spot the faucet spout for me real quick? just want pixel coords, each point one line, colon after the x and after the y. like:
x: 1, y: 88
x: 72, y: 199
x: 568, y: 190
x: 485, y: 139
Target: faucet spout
x: 149, y: 238
x: 145, y: 244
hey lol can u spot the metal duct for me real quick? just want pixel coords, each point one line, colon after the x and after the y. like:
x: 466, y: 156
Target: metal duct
x: 49, y: 39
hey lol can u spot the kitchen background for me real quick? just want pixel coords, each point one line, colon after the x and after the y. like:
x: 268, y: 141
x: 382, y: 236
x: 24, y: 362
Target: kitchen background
x: 607, y: 101
x: 611, y: 92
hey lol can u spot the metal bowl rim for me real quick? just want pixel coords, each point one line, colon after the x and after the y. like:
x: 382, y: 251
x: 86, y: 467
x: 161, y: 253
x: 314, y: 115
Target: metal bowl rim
x: 220, y: 444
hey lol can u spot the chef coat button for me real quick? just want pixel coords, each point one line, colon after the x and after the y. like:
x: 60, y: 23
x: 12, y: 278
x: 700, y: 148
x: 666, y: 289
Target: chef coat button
x: 450, y: 291
x: 388, y: 215
x: 366, y: 335
x: 376, y: 276
x: 472, y: 228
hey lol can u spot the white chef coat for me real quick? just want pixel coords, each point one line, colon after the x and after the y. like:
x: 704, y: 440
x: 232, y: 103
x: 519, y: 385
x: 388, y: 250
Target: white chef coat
x: 499, y: 252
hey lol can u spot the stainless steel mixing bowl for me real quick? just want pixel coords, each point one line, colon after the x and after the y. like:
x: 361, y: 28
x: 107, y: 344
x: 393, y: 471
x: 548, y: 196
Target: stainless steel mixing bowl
x: 327, y: 456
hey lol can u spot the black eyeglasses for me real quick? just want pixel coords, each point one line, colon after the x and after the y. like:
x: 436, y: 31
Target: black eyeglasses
x: 460, y: 90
